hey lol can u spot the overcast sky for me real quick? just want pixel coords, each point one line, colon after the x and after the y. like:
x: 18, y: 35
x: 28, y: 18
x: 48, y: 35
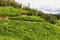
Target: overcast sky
x: 49, y: 6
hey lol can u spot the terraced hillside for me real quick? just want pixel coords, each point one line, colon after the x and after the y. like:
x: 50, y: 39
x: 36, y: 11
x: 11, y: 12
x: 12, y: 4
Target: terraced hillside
x: 11, y: 11
x: 18, y: 27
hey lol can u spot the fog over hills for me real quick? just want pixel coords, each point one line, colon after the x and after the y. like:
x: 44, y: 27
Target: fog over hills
x: 48, y: 6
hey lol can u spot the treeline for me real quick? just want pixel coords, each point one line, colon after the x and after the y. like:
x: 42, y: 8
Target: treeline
x: 47, y: 17
x: 10, y: 3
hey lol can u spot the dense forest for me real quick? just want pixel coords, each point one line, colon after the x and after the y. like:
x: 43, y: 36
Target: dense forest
x: 25, y: 23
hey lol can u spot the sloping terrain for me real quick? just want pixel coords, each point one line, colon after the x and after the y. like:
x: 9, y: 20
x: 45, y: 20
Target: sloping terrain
x: 19, y: 27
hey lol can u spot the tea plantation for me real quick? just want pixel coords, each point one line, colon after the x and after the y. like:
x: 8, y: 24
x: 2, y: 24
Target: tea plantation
x: 18, y: 27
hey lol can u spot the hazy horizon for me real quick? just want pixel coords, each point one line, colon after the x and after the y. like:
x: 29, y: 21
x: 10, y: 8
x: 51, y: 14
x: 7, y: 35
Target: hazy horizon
x: 48, y: 6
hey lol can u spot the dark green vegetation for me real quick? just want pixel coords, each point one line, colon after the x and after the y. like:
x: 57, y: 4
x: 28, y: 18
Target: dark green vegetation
x: 27, y: 18
x: 27, y: 24
x: 10, y: 3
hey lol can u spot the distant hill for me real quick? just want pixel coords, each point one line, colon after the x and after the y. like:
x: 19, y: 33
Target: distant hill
x: 58, y: 14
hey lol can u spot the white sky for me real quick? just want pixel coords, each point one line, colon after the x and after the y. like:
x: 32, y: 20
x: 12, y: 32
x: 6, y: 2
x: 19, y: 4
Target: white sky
x: 50, y: 6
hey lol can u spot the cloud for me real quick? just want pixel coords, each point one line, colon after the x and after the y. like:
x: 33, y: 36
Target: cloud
x: 45, y: 5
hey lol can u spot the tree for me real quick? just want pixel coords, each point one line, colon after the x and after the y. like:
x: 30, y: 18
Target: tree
x: 50, y: 18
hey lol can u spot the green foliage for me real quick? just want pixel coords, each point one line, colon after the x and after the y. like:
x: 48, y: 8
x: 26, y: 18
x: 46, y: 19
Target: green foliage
x: 11, y: 11
x: 21, y: 30
x: 49, y: 17
x: 58, y: 23
x: 27, y: 18
x: 31, y: 12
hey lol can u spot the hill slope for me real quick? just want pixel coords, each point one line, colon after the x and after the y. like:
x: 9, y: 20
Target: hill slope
x: 19, y: 27
x: 21, y: 30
